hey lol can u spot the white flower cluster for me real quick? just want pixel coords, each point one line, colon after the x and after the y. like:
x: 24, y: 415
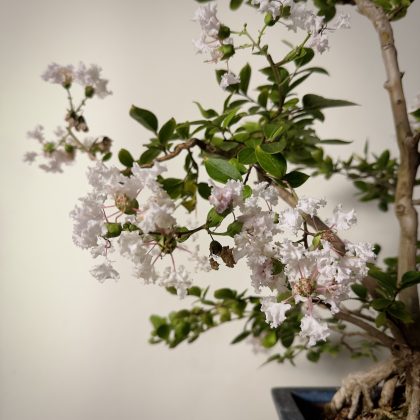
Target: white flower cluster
x: 316, y: 274
x: 303, y: 18
x: 54, y: 157
x: 209, y: 41
x: 113, y: 202
x: 83, y: 75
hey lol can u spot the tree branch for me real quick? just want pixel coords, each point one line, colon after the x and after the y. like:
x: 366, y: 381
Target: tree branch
x: 386, y: 340
x: 409, y: 161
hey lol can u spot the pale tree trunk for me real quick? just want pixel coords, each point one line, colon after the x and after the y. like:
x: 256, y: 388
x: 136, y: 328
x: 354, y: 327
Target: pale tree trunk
x: 406, y: 365
x: 409, y: 161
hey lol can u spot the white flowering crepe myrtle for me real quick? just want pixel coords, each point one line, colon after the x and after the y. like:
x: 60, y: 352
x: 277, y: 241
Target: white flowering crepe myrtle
x: 257, y: 151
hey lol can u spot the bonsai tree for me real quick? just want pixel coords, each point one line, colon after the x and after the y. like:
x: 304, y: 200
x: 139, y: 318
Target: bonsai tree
x: 311, y: 290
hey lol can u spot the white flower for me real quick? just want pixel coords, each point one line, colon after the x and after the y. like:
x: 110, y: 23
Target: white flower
x: 209, y: 41
x: 37, y: 133
x: 342, y: 21
x: 176, y: 278
x: 206, y: 16
x: 91, y: 76
x: 229, y: 79
x: 275, y: 312
x: 104, y: 271
x: 229, y: 195
x: 56, y: 160
x: 320, y: 42
x: 310, y: 205
x: 141, y: 252
x: 342, y: 220
x: 156, y: 213
x: 88, y: 221
x: 268, y: 6
x: 59, y: 74
x: 313, y: 329
x: 85, y: 76
x: 290, y: 219
x: 30, y: 157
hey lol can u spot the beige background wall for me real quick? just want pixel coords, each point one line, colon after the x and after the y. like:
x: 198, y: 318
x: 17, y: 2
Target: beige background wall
x: 71, y: 348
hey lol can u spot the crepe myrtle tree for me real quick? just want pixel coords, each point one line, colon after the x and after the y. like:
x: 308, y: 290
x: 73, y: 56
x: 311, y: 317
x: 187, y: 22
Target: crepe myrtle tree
x: 246, y: 162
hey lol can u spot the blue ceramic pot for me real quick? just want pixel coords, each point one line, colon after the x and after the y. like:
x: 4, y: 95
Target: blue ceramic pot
x: 301, y: 403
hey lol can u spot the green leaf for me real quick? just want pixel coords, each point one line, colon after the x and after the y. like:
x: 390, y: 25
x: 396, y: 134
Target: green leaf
x: 387, y: 282
x: 235, y: 4
x: 246, y: 192
x: 206, y: 113
x: 157, y: 321
x: 107, y: 156
x: 380, y: 304
x: 305, y: 58
x: 275, y: 147
x: 383, y: 160
x: 245, y: 76
x: 167, y: 130
x: 270, y: 339
x: 204, y: 190
x: 194, y: 291
x: 247, y: 156
x: 240, y: 337
x: 149, y: 155
x: 172, y: 290
x: 311, y: 101
x: 380, y: 320
x: 234, y: 228
x: 295, y: 178
x: 313, y: 355
x: 173, y: 186
x: 221, y: 170
x: 359, y: 290
x: 286, y: 335
x: 410, y: 278
x: 224, y: 293
x: 275, y: 164
x: 214, y: 219
x: 335, y: 141
x: 146, y: 118
x: 399, y: 311
x: 125, y: 158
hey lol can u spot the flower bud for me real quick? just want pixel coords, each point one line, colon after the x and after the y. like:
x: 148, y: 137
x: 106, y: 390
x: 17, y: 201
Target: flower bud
x: 49, y: 147
x: 113, y: 230
x: 69, y: 148
x: 89, y: 91
x: 227, y: 51
x: 224, y: 32
x: 269, y: 20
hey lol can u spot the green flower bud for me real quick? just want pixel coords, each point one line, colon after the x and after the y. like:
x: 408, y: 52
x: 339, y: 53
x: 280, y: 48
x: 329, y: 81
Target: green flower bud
x: 49, y: 147
x: 227, y: 50
x: 269, y: 20
x: 224, y: 32
x: 114, y: 230
x: 89, y: 91
x: 69, y: 148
